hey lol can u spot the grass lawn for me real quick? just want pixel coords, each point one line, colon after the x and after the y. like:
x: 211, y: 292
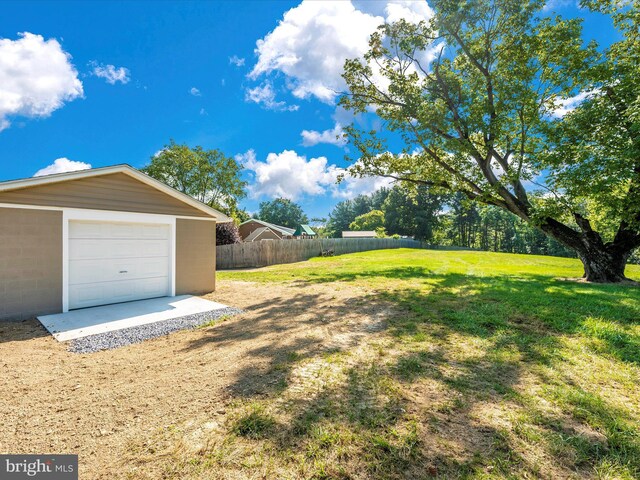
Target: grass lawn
x: 484, y: 365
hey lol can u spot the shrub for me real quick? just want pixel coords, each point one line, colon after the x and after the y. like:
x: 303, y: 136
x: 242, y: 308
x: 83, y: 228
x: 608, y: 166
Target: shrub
x: 227, y: 234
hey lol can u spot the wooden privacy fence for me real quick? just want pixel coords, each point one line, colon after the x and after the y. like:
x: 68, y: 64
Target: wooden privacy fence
x: 272, y: 252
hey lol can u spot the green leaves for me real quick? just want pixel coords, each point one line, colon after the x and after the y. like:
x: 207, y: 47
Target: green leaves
x: 206, y: 175
x: 369, y: 221
x: 283, y: 212
x: 491, y: 95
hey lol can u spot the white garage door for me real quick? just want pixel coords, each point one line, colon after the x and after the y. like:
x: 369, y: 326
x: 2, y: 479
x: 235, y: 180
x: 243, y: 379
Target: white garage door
x: 112, y: 262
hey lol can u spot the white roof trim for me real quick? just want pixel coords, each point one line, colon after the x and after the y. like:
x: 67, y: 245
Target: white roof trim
x: 285, y: 230
x: 358, y: 233
x: 257, y: 233
x: 126, y: 169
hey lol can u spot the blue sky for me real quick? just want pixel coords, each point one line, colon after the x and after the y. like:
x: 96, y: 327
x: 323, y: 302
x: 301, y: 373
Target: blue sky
x: 104, y: 83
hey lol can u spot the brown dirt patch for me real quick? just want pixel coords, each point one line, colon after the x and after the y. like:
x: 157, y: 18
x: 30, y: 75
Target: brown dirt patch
x: 99, y: 405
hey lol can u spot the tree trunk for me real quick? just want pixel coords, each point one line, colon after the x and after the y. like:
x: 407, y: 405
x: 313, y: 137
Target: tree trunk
x: 603, y: 266
x: 603, y: 262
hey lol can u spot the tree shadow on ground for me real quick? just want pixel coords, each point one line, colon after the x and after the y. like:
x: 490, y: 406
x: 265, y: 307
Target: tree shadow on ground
x: 535, y: 307
x: 283, y: 331
x: 561, y: 305
x: 384, y: 417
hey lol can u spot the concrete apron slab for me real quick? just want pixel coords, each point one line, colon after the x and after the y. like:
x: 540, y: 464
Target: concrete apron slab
x: 107, y: 318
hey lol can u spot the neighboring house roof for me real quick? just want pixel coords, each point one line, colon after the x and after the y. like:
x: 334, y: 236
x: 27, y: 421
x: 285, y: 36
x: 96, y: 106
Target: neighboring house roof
x: 304, y: 230
x: 255, y: 235
x: 277, y: 228
x: 123, y: 168
x: 358, y: 234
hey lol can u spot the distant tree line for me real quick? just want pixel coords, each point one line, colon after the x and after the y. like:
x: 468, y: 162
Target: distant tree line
x: 471, y: 225
x: 449, y: 220
x: 405, y: 209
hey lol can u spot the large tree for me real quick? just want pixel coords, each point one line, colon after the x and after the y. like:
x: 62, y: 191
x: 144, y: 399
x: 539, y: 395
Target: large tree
x: 372, y: 220
x: 475, y: 95
x: 206, y: 175
x: 412, y: 211
x: 346, y: 212
x: 283, y: 212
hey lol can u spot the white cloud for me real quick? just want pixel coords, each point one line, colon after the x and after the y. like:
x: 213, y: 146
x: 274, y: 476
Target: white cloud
x: 290, y: 175
x: 236, y: 60
x: 110, y: 73
x: 265, y: 95
x: 311, y: 44
x: 566, y: 105
x: 62, y: 165
x: 36, y: 77
x: 410, y: 10
x: 552, y: 5
x: 203, y: 112
x: 351, y: 187
x: 195, y: 92
x: 333, y: 136
x: 313, y: 40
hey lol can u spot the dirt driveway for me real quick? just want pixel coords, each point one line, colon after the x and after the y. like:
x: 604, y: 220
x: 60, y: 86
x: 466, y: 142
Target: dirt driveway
x: 103, y: 405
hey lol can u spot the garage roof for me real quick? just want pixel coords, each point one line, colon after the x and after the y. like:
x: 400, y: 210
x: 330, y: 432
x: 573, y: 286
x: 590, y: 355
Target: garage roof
x: 358, y: 234
x: 278, y: 228
x: 256, y: 233
x: 123, y: 168
x: 304, y: 230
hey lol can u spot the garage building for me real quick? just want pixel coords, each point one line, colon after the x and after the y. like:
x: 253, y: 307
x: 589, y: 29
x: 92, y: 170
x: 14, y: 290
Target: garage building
x: 100, y: 236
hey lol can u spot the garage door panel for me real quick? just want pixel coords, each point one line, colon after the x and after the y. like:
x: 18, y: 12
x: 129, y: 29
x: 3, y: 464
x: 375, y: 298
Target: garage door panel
x: 89, y: 295
x: 95, y: 271
x: 119, y: 270
x: 155, y: 268
x: 123, y: 249
x: 82, y: 248
x: 123, y: 292
x: 117, y: 262
x: 90, y: 249
x: 85, y: 272
x: 154, y: 248
x: 155, y: 287
x: 123, y: 230
x: 85, y: 295
x: 87, y: 230
x: 154, y: 232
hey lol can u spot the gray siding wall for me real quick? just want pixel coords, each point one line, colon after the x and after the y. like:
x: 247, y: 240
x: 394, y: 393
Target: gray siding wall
x: 195, y: 256
x: 30, y: 263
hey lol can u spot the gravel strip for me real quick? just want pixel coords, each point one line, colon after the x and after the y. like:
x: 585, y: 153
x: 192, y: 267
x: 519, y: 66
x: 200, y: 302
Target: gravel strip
x: 127, y: 336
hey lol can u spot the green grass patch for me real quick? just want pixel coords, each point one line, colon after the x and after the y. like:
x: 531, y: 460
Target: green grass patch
x: 215, y: 321
x: 255, y: 423
x: 491, y: 366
